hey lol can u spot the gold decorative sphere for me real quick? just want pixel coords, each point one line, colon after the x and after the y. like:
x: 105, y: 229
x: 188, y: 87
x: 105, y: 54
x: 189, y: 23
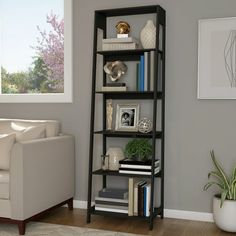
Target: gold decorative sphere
x: 122, y: 27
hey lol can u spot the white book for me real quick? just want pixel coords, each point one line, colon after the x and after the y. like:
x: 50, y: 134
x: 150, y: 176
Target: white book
x: 142, y: 167
x: 131, y: 197
x: 111, y: 210
x: 139, y: 172
x: 148, y: 200
x: 146, y: 62
x: 111, y: 199
x: 120, y: 40
x: 111, y: 88
x: 119, y: 46
x: 152, y: 72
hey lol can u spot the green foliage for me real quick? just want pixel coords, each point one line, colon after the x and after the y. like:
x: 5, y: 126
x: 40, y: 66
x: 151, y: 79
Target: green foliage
x: 35, y: 80
x: 226, y: 184
x: 138, y: 149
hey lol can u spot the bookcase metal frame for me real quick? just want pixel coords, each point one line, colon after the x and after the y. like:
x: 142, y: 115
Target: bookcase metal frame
x: 129, y: 55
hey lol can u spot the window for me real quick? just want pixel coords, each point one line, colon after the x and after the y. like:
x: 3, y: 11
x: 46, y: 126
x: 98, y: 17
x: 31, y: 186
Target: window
x: 36, y: 51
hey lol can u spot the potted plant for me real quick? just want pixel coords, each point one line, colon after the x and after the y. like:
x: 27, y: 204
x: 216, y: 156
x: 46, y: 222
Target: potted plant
x: 224, y: 203
x: 138, y: 149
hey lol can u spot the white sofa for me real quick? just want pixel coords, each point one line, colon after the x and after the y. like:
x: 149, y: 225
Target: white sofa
x: 36, y: 169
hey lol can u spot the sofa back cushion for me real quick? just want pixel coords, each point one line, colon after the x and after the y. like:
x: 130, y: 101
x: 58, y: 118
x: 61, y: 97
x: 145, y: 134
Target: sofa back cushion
x: 28, y: 133
x: 52, y: 127
x: 6, y: 143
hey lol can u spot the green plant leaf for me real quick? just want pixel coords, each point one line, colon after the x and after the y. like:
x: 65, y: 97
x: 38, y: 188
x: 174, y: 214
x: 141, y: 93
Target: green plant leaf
x: 223, y: 197
x: 209, y: 184
x: 220, y: 170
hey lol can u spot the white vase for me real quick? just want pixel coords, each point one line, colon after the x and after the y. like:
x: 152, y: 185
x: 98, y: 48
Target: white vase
x: 225, y: 216
x: 148, y: 35
x: 115, y: 155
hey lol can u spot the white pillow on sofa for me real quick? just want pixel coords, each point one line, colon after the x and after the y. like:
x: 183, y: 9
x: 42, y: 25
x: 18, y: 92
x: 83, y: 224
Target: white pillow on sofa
x: 28, y: 133
x: 6, y: 143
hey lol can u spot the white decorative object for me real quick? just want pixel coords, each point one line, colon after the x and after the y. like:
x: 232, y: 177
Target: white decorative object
x: 115, y: 155
x: 109, y: 114
x: 225, y: 216
x: 148, y: 35
x: 216, y: 58
x: 145, y: 125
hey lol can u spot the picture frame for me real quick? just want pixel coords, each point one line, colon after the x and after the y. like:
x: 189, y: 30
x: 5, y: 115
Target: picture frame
x: 127, y: 116
x: 217, y: 58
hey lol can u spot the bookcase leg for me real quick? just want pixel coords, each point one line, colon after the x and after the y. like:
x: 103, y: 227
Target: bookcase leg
x: 88, y: 217
x: 151, y: 224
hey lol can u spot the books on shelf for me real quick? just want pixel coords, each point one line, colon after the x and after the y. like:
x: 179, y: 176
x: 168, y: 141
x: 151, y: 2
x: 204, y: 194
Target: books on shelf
x: 139, y: 172
x: 111, y: 44
x: 112, y: 204
x: 113, y: 193
x: 139, y: 201
x: 145, y: 72
x: 114, y: 88
x: 129, y: 166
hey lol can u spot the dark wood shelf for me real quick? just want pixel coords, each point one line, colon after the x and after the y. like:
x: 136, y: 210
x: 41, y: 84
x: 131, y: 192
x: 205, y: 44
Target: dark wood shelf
x: 130, y: 94
x: 125, y: 134
x: 116, y: 173
x: 127, y: 52
x: 125, y: 55
x: 157, y: 211
x: 129, y: 11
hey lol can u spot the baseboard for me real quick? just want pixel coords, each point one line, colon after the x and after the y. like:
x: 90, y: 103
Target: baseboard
x: 168, y: 213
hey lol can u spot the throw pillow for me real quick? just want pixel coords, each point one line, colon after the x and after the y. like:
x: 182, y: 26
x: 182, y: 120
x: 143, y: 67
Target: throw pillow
x: 6, y: 143
x: 28, y: 133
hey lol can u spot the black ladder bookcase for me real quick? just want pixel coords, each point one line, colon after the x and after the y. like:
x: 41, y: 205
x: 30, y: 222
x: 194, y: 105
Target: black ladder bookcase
x: 100, y: 22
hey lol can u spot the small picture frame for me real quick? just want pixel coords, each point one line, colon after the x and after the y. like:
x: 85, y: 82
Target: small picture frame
x: 127, y: 116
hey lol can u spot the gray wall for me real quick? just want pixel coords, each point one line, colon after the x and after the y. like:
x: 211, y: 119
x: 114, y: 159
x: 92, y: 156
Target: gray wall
x: 193, y: 127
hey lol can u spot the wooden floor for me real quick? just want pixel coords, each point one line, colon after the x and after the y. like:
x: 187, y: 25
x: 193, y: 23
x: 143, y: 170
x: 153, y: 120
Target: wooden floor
x: 165, y: 227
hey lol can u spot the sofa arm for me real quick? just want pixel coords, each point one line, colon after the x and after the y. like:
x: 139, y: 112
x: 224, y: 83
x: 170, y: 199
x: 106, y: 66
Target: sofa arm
x: 41, y: 175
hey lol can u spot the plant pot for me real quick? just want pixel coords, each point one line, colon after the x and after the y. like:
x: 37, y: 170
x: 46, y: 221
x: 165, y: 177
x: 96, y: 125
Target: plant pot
x: 225, y: 217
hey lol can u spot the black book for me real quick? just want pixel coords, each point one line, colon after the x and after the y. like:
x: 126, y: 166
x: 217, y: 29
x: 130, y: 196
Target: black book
x: 115, y: 84
x: 135, y: 162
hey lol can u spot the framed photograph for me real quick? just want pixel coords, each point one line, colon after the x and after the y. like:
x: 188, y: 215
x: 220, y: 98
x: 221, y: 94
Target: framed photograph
x: 217, y: 58
x: 127, y: 116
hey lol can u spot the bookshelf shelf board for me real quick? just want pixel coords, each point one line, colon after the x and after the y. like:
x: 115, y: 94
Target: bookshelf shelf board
x: 126, y: 52
x: 157, y: 211
x: 130, y: 94
x: 125, y: 134
x: 116, y: 173
x: 128, y: 11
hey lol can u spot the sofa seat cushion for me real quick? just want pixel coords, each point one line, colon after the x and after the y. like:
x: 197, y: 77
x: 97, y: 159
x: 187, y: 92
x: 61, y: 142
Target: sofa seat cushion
x: 52, y: 127
x: 6, y: 143
x: 4, y: 184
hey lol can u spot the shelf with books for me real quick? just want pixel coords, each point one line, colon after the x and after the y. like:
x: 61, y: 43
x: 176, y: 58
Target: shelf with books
x: 124, y: 134
x: 116, y: 173
x: 130, y: 94
x: 156, y: 212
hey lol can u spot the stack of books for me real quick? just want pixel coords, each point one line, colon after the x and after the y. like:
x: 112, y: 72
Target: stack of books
x: 109, y: 87
x: 139, y: 198
x: 145, y: 72
x: 112, y: 200
x: 129, y: 166
x: 113, y: 44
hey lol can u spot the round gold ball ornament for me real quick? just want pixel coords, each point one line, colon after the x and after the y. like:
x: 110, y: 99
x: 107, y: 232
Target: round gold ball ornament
x: 122, y: 27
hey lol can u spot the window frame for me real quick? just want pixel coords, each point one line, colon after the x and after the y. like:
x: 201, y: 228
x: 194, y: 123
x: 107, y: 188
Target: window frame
x: 67, y: 96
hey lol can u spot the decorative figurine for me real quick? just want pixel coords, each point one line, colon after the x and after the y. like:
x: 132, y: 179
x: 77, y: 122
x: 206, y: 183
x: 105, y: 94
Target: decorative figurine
x: 145, y: 125
x: 115, y: 70
x: 109, y: 114
x: 122, y: 29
